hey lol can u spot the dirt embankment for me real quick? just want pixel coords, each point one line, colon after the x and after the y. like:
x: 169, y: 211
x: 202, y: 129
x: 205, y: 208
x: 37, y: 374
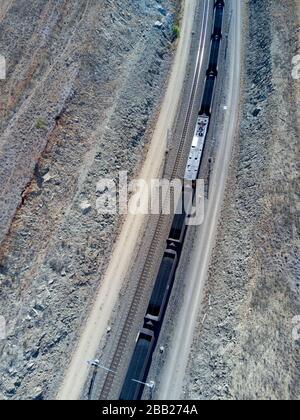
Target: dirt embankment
x: 84, y: 83
x: 246, y: 349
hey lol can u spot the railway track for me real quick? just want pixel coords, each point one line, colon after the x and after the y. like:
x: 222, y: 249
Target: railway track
x: 163, y: 220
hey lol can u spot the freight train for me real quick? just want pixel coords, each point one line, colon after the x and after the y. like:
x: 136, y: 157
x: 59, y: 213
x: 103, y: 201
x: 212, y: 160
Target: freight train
x: 138, y: 370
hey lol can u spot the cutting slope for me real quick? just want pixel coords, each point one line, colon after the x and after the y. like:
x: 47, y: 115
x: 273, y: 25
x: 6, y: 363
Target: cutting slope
x: 85, y: 80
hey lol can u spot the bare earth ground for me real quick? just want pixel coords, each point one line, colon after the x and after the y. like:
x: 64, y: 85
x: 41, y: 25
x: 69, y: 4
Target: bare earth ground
x: 246, y: 350
x: 85, y: 80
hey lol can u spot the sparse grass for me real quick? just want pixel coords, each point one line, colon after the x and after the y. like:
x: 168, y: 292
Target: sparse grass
x: 176, y: 31
x: 40, y: 124
x: 177, y: 21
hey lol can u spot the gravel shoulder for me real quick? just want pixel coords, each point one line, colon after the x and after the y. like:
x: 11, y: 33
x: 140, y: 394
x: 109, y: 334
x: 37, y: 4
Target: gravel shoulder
x: 245, y: 349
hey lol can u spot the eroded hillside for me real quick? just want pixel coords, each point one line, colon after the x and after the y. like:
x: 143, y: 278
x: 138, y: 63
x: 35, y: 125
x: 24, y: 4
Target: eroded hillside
x: 84, y: 83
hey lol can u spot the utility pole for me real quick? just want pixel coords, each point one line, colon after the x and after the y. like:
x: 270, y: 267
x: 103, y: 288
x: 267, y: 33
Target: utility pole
x: 150, y: 385
x: 209, y: 176
x: 96, y: 365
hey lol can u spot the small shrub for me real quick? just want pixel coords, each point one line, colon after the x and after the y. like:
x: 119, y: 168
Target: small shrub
x: 40, y: 124
x: 176, y: 32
